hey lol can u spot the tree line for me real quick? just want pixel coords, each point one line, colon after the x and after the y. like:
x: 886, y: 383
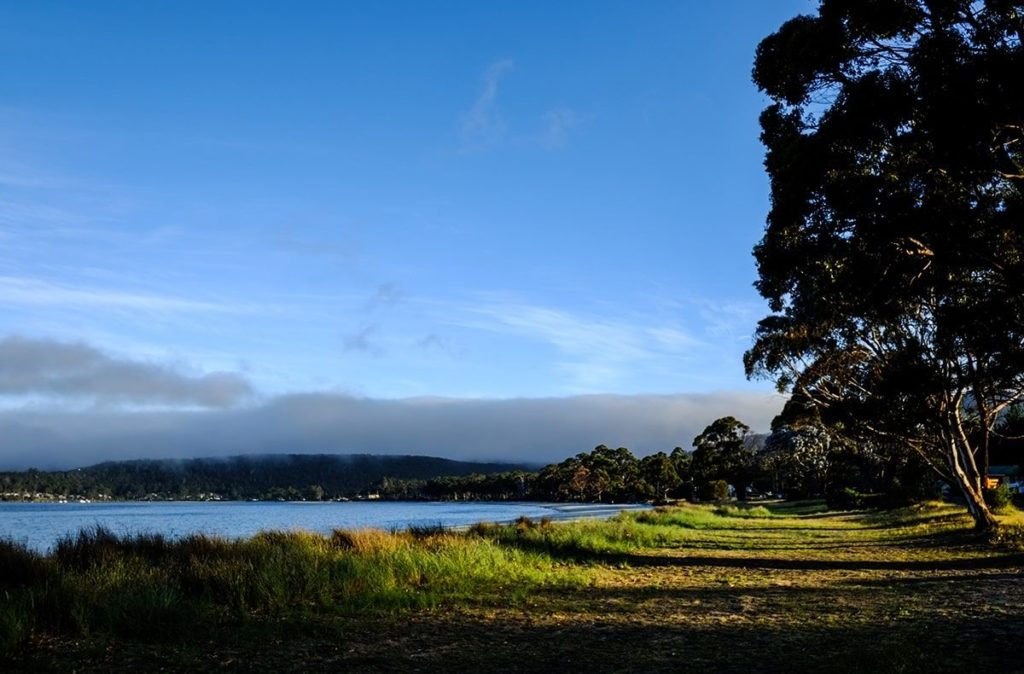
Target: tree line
x: 288, y: 477
x: 800, y: 458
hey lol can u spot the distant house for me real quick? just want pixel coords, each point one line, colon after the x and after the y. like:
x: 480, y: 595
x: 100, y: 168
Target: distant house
x: 1008, y: 475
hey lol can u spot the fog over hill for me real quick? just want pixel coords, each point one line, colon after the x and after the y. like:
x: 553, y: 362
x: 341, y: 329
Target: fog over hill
x: 268, y: 477
x: 70, y: 404
x: 521, y: 430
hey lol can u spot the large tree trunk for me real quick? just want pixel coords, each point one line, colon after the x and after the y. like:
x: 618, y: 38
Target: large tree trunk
x: 983, y: 519
x: 965, y: 472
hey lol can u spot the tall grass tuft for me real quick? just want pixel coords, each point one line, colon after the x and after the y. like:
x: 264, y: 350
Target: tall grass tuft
x: 19, y: 566
x: 576, y: 541
x: 423, y: 531
x: 151, y: 587
x: 748, y: 511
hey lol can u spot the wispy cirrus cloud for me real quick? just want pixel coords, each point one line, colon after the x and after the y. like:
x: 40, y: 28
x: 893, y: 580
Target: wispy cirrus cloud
x: 21, y: 177
x: 559, y: 123
x: 363, y: 340
x: 386, y: 294
x: 596, y: 351
x: 367, y: 338
x: 16, y: 290
x: 482, y: 125
x: 33, y: 213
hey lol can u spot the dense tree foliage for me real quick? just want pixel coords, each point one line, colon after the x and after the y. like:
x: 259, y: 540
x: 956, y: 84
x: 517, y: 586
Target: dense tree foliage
x: 810, y: 453
x: 803, y: 457
x: 725, y: 451
x: 504, y: 486
x: 615, y: 476
x: 893, y: 258
x: 663, y: 473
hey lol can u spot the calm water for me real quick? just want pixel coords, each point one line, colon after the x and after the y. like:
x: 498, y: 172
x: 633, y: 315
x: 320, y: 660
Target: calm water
x: 39, y: 525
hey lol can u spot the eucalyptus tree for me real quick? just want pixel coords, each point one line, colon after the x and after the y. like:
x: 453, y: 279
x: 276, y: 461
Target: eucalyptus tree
x: 893, y: 256
x: 723, y: 452
x: 803, y: 456
x: 660, y: 475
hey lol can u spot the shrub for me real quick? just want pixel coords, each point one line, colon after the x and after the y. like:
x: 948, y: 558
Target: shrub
x: 715, y: 490
x: 844, y: 498
x: 15, y: 619
x: 483, y: 529
x: 423, y: 531
x: 999, y: 498
x: 756, y: 512
x: 88, y: 549
x: 19, y: 566
x: 847, y: 498
x: 524, y: 524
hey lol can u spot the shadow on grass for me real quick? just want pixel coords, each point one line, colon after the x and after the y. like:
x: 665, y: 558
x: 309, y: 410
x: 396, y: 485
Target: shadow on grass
x: 595, y: 643
x: 575, y: 553
x: 853, y: 601
x: 1017, y: 577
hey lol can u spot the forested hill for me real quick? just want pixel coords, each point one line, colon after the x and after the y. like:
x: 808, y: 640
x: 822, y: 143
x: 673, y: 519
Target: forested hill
x: 290, y: 477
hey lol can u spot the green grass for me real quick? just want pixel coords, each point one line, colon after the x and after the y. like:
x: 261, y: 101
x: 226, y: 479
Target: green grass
x: 148, y: 586
x: 787, y: 578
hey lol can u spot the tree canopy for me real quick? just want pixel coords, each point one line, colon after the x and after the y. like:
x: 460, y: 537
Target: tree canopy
x: 722, y: 452
x: 893, y: 257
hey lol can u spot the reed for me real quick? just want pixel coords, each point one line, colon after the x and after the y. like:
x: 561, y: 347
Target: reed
x: 152, y: 587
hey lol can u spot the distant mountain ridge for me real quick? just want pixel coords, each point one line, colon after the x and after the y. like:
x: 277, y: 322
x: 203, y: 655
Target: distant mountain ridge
x: 265, y: 476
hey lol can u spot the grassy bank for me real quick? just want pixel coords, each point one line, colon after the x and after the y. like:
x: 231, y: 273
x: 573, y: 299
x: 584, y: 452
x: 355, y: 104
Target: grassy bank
x: 734, y: 588
x: 150, y: 586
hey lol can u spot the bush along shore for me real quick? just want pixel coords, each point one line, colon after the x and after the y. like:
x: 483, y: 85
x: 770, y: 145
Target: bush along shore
x: 751, y: 580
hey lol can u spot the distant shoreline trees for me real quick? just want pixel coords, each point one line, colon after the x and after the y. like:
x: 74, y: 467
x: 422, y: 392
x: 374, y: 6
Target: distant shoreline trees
x: 602, y: 475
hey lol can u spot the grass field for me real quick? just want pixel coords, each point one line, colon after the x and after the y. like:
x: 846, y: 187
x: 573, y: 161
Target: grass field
x: 769, y: 588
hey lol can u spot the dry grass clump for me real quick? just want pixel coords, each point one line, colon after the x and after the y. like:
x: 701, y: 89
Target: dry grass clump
x: 368, y: 541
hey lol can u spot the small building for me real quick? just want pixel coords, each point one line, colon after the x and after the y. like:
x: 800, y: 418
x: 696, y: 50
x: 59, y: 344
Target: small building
x: 1008, y: 475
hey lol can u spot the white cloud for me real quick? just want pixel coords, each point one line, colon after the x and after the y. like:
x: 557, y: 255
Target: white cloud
x: 559, y: 123
x: 732, y: 321
x: 673, y: 338
x: 482, y: 125
x: 15, y: 290
x: 598, y: 352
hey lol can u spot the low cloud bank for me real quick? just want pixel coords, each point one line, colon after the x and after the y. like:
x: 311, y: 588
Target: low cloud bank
x: 537, y: 430
x: 77, y: 371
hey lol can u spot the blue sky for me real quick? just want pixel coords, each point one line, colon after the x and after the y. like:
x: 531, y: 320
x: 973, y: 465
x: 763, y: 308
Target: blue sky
x: 388, y: 200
